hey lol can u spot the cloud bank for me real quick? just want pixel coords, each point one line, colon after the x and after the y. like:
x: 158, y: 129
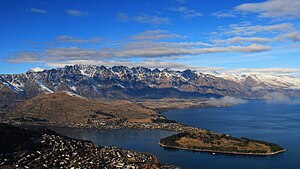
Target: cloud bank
x: 75, y: 53
x: 277, y: 97
x: 241, y: 40
x: 281, y: 9
x: 225, y: 101
x: 247, y: 29
x: 71, y: 39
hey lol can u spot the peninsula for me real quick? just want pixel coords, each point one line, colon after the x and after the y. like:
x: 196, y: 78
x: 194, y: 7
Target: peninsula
x: 220, y: 143
x: 68, y: 110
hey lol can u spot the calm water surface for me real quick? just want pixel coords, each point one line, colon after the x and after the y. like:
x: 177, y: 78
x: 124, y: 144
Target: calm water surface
x: 274, y: 122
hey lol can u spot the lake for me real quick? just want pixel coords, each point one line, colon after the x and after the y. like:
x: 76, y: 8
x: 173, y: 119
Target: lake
x: 275, y: 122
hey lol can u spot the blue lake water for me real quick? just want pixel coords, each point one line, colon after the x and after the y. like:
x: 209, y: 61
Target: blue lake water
x: 274, y: 122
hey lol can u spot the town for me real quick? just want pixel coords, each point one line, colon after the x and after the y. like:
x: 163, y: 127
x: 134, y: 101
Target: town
x: 160, y: 123
x: 56, y: 151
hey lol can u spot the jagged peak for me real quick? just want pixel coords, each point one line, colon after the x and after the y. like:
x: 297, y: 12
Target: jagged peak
x: 80, y: 66
x: 119, y: 68
x: 167, y: 70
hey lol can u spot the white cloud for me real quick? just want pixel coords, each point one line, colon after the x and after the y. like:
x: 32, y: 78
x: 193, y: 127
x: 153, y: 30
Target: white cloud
x: 76, y: 53
x: 225, y: 101
x: 70, y: 53
x: 71, y: 39
x: 190, y: 13
x: 25, y: 57
x: 246, y: 29
x: 166, y: 51
x: 277, y: 97
x: 76, y: 13
x: 293, y: 36
x: 156, y: 35
x: 241, y: 40
x: 146, y: 45
x: 281, y: 9
x: 184, y: 44
x: 143, y: 18
x: 37, y: 10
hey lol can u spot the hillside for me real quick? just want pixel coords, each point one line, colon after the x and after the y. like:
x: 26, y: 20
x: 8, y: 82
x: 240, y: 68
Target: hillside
x: 68, y: 108
x: 8, y: 99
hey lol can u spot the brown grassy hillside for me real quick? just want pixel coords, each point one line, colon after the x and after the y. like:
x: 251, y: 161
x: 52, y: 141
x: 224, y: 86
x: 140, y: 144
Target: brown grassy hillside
x: 62, y: 107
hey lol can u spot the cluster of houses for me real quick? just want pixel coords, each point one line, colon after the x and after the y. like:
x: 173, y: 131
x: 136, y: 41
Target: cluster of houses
x: 176, y: 127
x: 62, y: 152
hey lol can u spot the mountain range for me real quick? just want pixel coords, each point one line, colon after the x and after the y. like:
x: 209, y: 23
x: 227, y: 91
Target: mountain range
x: 121, y: 82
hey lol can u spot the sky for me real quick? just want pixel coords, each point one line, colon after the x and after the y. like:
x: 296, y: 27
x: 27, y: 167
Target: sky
x: 240, y: 36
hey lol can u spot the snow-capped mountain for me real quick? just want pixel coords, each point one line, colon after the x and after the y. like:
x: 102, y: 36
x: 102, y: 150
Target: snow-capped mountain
x: 262, y: 80
x: 140, y: 82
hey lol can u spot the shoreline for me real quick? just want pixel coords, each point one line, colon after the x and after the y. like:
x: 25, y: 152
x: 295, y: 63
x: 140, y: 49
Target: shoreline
x: 172, y: 127
x: 221, y: 152
x: 161, y: 111
x: 163, y: 145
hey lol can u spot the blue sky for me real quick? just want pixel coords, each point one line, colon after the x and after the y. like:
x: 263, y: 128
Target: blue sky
x: 259, y: 36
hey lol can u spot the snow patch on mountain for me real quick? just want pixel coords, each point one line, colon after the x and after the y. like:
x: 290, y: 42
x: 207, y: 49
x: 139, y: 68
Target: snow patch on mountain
x: 37, y: 69
x: 73, y: 94
x: 85, y: 74
x: 44, y: 88
x: 11, y: 86
x: 265, y: 80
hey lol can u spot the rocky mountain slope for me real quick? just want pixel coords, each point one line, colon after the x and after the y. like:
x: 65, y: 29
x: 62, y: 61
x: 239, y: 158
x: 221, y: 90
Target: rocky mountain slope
x: 121, y: 82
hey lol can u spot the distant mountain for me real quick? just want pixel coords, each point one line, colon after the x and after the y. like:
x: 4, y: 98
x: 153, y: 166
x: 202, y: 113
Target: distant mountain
x: 121, y: 82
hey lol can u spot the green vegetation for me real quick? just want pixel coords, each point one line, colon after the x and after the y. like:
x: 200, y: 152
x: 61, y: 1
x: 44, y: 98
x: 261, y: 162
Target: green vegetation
x: 159, y: 120
x: 209, y: 141
x: 273, y: 147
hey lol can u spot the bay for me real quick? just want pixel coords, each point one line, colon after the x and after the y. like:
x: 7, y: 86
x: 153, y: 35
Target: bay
x: 275, y: 122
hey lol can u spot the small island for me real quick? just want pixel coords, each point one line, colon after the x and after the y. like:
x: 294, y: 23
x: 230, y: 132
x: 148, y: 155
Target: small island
x: 219, y: 143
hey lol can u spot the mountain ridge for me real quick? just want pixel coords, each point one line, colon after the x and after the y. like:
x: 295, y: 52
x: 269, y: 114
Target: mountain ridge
x: 122, y: 82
